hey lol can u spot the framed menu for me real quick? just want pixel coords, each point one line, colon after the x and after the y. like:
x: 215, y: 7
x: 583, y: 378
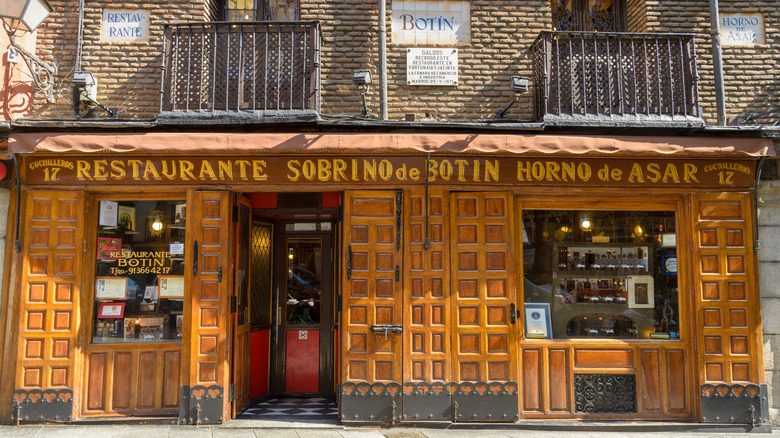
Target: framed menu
x: 170, y: 286
x: 111, y: 288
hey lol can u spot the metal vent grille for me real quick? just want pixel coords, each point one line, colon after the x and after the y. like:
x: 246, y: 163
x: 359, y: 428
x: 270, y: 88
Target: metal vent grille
x: 605, y: 393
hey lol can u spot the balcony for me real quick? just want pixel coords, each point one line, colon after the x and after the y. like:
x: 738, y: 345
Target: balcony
x: 616, y: 79
x: 246, y: 67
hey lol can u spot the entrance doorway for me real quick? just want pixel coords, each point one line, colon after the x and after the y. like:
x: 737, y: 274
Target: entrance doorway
x: 303, y: 344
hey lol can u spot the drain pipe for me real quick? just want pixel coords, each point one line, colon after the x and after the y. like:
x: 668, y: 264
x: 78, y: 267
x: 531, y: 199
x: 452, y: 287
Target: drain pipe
x: 382, y: 60
x: 717, y: 63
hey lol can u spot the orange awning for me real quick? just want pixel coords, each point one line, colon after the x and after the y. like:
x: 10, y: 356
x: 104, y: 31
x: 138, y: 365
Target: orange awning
x: 202, y: 142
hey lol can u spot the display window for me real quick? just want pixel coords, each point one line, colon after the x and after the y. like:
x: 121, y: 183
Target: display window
x: 600, y: 274
x: 139, y: 271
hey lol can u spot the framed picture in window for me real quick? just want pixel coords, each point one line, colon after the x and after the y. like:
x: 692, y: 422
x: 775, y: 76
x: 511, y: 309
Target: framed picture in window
x: 109, y: 248
x: 537, y: 321
x: 170, y: 286
x: 111, y: 310
x: 126, y: 217
x: 111, y: 288
x: 641, y: 292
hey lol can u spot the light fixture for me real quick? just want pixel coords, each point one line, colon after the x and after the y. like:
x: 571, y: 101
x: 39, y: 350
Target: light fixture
x: 157, y: 223
x: 85, y: 89
x: 362, y: 78
x: 586, y: 223
x: 27, y: 15
x: 519, y: 85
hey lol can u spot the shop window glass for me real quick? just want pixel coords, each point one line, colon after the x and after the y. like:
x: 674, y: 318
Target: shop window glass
x: 139, y: 271
x: 587, y: 15
x: 600, y: 274
x: 261, y: 10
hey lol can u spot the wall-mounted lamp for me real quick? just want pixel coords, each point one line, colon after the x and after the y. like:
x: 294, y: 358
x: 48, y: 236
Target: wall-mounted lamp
x: 156, y: 223
x: 519, y: 85
x: 27, y: 15
x: 362, y: 78
x: 85, y: 91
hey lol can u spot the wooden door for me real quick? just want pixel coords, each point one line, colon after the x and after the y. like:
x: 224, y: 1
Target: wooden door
x: 50, y: 299
x: 372, y: 307
x: 484, y: 328
x: 240, y: 308
x: 207, y: 324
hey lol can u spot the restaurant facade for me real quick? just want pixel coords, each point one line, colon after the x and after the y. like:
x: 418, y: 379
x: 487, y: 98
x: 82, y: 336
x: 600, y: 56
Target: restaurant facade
x: 413, y: 276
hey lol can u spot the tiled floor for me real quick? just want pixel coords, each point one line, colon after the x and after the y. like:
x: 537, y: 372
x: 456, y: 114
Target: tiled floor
x: 292, y: 408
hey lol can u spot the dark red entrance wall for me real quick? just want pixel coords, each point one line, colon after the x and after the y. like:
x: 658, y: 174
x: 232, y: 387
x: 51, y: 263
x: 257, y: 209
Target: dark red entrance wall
x: 259, y: 359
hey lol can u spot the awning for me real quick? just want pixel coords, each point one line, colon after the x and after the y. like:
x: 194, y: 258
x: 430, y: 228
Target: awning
x: 203, y: 142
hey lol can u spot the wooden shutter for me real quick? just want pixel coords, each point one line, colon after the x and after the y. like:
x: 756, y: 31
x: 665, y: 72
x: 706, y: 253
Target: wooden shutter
x: 729, y: 324
x: 207, y: 308
x: 50, y: 295
x: 372, y: 296
x: 426, y: 289
x: 483, y: 285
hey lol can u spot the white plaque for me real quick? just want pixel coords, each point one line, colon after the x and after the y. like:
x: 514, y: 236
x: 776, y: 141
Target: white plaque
x: 176, y: 248
x: 741, y: 29
x: 125, y: 25
x: 432, y: 66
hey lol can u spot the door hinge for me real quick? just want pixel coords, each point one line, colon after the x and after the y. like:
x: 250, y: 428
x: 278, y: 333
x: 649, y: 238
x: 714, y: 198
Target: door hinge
x: 397, y: 273
x: 399, y: 199
x: 233, y: 304
x: 219, y: 274
x: 195, y: 258
x: 232, y: 392
x: 341, y: 213
x: 84, y: 245
x: 235, y: 213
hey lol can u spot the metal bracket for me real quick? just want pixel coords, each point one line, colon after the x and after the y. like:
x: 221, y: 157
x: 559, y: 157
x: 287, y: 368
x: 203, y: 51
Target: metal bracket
x: 219, y: 274
x: 42, y: 405
x: 195, y: 258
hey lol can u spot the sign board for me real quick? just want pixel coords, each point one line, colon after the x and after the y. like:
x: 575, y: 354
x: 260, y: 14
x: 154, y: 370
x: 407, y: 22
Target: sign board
x: 428, y: 22
x: 381, y: 170
x: 432, y: 66
x: 741, y: 29
x: 125, y: 25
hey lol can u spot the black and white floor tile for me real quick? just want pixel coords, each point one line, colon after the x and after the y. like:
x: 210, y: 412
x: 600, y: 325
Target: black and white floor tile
x: 292, y: 408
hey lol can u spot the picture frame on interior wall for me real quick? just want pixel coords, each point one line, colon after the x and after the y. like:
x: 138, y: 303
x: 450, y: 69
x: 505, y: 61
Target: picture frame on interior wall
x: 111, y: 310
x: 641, y: 291
x: 110, y: 288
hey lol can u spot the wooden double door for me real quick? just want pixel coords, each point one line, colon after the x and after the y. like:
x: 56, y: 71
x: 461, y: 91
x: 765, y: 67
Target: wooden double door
x: 429, y: 322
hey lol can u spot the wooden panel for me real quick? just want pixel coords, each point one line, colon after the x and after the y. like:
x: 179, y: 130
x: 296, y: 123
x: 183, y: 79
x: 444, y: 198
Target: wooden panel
x: 532, y: 380
x: 373, y: 296
x: 482, y: 279
x: 427, y: 355
x: 650, y: 391
x: 122, y: 377
x: 51, y: 293
x: 726, y: 299
x: 559, y: 381
x: 147, y: 384
x: 135, y: 378
x: 603, y: 358
x: 677, y: 383
x: 96, y: 381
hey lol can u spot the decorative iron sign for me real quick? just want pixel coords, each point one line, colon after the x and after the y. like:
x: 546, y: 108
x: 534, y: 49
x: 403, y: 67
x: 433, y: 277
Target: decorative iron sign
x: 389, y: 169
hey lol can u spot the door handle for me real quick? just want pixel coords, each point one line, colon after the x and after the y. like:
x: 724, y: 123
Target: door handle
x: 195, y: 258
x: 512, y: 313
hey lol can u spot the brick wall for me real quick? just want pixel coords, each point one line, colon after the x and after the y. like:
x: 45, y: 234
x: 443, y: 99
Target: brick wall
x: 749, y: 72
x: 128, y: 73
x: 501, y: 35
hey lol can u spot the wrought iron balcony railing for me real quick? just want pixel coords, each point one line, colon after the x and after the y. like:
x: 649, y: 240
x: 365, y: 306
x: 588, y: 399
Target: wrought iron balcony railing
x: 602, y: 75
x: 231, y: 66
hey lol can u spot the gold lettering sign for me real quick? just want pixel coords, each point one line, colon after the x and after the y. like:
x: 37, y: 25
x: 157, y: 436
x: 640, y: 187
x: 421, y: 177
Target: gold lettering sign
x: 391, y: 169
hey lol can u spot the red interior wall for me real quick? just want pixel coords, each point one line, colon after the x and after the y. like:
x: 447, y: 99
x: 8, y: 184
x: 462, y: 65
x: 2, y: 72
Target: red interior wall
x: 259, y: 359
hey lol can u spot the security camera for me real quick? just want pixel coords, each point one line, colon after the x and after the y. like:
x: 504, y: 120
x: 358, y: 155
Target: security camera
x: 519, y: 84
x: 83, y: 79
